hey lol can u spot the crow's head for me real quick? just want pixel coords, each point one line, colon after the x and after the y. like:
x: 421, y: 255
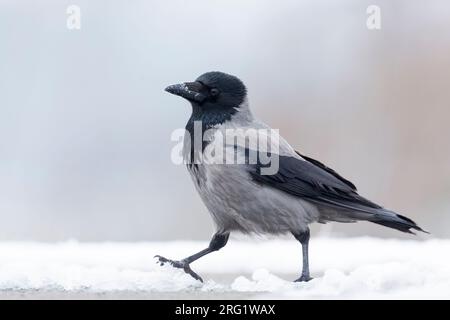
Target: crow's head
x: 212, y: 91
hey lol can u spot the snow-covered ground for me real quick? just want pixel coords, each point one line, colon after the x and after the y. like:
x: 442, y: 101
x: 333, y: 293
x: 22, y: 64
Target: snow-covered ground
x: 342, y: 267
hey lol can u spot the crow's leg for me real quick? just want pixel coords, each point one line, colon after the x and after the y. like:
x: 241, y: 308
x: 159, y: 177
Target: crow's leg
x: 303, y: 237
x: 218, y: 241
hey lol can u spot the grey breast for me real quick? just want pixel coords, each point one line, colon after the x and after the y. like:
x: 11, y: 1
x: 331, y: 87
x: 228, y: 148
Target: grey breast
x: 237, y: 203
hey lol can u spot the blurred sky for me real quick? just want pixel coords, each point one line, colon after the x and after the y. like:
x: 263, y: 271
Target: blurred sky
x: 85, y: 124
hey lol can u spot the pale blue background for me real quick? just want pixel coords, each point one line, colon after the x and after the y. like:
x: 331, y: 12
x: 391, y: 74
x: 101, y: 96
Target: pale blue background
x: 85, y: 124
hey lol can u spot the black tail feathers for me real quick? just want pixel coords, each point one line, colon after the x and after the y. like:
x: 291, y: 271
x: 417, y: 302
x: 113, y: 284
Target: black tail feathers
x: 395, y: 221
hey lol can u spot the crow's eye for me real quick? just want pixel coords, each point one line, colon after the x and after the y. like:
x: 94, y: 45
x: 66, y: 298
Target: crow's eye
x: 214, y: 92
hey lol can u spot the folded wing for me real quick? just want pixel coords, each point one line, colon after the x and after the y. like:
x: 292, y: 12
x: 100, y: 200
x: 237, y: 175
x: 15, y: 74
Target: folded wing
x: 317, y: 183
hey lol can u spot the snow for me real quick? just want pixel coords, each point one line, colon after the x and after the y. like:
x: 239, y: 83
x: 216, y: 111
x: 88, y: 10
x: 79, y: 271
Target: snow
x: 342, y: 268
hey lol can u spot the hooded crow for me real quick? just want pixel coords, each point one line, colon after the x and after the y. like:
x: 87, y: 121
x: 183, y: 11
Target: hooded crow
x: 243, y: 195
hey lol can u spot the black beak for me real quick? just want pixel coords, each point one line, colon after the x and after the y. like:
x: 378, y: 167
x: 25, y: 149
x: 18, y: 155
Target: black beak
x: 188, y: 90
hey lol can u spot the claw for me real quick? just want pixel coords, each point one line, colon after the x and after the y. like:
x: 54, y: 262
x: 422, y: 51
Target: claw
x: 304, y: 278
x: 179, y: 265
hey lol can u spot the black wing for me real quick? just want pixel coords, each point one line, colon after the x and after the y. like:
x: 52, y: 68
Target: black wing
x: 314, y: 181
x: 319, y: 164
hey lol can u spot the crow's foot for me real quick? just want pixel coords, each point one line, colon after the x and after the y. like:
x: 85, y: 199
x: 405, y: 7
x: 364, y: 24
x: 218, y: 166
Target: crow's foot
x: 304, y: 278
x: 180, y: 265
